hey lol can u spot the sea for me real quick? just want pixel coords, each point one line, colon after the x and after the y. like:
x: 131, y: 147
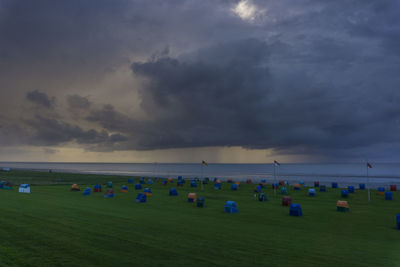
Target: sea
x: 381, y: 174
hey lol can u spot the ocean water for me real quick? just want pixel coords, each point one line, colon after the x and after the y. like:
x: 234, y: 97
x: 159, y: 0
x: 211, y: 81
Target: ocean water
x: 346, y: 174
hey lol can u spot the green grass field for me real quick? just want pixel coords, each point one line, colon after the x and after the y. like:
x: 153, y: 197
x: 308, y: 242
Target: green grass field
x: 56, y: 227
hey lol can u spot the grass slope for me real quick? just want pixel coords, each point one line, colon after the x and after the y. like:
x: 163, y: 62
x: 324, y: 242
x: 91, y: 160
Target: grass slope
x: 56, y: 227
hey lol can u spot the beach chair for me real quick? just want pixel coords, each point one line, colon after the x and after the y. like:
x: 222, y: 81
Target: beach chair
x: 231, y: 207
x: 192, y: 197
x: 141, y: 198
x: 295, y: 210
x: 24, y: 188
x: 147, y: 192
x: 173, y: 192
x: 74, y: 187
x: 7, y: 186
x: 342, y: 205
x: 109, y: 193
x: 286, y: 201
x: 138, y: 186
x: 262, y: 197
x: 398, y: 221
x: 217, y: 186
x: 284, y: 191
x: 200, y: 202
x: 87, y: 191
x: 381, y: 191
x: 97, y: 188
x: 345, y: 193
x: 350, y: 188
x: 311, y: 192
x: 388, y: 195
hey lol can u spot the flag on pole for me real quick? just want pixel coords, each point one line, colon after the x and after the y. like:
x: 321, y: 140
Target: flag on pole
x: 277, y: 163
x: 369, y: 165
x: 204, y: 163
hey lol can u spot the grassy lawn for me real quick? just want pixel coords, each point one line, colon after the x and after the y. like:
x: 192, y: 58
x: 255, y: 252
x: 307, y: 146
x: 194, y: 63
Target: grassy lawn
x: 56, y: 227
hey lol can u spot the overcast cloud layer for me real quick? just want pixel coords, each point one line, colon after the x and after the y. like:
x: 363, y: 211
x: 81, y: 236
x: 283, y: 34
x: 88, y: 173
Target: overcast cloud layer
x: 317, y: 78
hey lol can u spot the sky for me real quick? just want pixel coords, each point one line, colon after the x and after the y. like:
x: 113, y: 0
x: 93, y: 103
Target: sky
x: 229, y: 81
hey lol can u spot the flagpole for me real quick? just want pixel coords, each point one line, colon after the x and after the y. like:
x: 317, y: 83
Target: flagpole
x: 369, y: 184
x: 201, y: 177
x: 275, y: 178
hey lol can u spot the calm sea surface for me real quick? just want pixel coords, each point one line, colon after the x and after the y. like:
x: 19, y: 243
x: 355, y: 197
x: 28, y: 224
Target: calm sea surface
x: 383, y: 173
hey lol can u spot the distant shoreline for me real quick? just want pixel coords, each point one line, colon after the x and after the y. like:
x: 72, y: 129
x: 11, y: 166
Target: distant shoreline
x: 165, y: 175
x: 291, y: 178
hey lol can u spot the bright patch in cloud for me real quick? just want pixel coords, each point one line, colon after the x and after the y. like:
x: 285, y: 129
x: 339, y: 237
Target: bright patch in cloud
x: 247, y: 10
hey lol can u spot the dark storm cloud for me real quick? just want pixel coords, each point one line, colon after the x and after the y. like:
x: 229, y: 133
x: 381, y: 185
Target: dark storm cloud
x: 40, y: 99
x: 48, y: 132
x: 78, y: 102
x: 198, y: 101
x: 52, y: 30
x: 111, y: 119
x: 46, y: 126
x: 233, y: 100
x: 306, y: 76
x: 96, y: 35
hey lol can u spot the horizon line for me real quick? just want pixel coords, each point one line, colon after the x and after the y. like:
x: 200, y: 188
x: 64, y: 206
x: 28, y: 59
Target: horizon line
x: 209, y: 163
